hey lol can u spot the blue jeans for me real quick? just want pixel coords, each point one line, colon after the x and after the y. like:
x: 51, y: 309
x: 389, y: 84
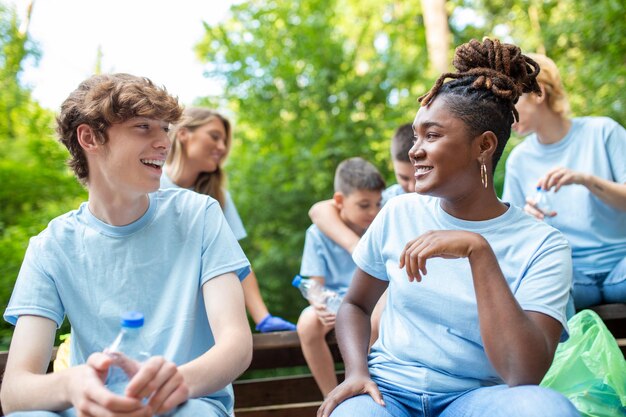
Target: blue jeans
x: 192, y: 408
x: 496, y: 401
x: 594, y: 289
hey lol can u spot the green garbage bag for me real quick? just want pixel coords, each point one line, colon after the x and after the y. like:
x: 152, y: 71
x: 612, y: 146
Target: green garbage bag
x: 589, y: 368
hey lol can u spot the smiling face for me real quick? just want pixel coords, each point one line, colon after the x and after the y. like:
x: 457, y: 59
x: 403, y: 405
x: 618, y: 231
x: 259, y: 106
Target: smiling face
x: 132, y: 159
x: 444, y: 155
x: 206, y: 146
x: 359, y: 208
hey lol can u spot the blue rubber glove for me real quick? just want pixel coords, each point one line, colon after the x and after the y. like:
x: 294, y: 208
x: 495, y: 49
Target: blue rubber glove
x: 274, y: 324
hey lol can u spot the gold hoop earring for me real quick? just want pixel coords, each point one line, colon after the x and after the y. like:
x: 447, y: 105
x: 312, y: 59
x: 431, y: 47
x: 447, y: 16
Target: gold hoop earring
x: 483, y: 175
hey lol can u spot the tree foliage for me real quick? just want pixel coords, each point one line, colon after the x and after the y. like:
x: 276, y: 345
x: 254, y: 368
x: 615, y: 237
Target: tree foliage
x: 36, y: 185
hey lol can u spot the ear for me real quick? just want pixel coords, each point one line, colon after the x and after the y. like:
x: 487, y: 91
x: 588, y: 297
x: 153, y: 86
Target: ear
x: 88, y: 138
x: 540, y: 98
x: 338, y: 198
x: 487, y: 144
x: 183, y: 134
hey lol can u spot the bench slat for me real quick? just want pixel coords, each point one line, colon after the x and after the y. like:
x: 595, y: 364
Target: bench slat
x: 263, y: 392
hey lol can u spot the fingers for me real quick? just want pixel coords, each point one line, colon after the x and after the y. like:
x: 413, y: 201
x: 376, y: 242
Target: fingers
x: 531, y: 209
x: 348, y: 390
x: 159, y: 380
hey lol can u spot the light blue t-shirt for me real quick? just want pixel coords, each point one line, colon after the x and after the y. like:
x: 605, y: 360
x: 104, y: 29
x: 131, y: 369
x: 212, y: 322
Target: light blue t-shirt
x: 594, y: 145
x: 392, y: 191
x: 92, y: 272
x: 230, y: 210
x: 430, y: 338
x: 322, y: 257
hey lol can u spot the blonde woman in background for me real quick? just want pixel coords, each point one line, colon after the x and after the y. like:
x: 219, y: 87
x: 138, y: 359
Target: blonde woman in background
x: 200, y: 144
x: 583, y: 160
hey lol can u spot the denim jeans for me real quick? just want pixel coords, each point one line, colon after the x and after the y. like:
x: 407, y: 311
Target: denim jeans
x: 495, y: 401
x: 594, y: 289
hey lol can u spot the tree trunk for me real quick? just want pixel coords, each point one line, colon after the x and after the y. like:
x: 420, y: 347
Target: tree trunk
x: 437, y: 33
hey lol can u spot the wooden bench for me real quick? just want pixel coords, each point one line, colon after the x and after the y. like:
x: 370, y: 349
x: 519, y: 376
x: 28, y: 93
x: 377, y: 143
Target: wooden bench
x: 297, y: 395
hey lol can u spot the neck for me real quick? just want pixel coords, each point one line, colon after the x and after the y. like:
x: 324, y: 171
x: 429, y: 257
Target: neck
x: 553, y: 128
x: 116, y: 209
x: 184, y: 177
x: 483, y: 205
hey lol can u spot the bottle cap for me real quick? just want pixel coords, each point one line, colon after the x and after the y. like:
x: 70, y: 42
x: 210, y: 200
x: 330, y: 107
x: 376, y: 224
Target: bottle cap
x: 296, y: 281
x: 132, y: 319
x: 539, y: 188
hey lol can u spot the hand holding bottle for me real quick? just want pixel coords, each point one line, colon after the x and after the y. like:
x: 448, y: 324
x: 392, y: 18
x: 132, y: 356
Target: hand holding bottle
x: 540, y: 205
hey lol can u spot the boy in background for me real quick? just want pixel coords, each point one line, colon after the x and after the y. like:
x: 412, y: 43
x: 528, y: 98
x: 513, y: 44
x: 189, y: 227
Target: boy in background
x: 358, y: 194
x: 324, y: 214
x: 166, y: 253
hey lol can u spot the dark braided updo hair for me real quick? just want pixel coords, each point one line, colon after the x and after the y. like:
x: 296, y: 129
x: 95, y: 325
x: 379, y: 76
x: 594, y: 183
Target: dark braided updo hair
x: 490, y: 78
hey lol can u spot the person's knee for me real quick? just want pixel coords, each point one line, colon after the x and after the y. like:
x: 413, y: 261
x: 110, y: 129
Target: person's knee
x: 309, y: 327
x: 536, y: 401
x: 361, y: 405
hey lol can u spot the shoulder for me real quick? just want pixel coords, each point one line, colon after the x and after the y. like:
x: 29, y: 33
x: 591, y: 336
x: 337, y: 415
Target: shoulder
x: 526, y: 227
x: 183, y: 198
x: 600, y: 125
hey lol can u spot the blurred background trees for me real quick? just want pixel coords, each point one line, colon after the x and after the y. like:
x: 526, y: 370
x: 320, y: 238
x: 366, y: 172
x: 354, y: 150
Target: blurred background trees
x: 307, y: 84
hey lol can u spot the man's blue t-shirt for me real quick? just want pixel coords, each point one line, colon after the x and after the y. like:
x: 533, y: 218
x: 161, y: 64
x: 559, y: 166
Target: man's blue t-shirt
x: 430, y: 338
x: 93, y: 272
x: 322, y: 257
x: 595, y: 230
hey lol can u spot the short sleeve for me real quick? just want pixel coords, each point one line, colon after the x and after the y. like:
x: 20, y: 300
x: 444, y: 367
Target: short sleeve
x: 545, y: 285
x: 368, y: 254
x: 221, y: 252
x: 616, y: 151
x: 232, y: 218
x: 313, y: 262
x: 35, y: 292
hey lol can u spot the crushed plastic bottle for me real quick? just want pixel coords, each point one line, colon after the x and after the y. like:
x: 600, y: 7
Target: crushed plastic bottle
x: 317, y: 293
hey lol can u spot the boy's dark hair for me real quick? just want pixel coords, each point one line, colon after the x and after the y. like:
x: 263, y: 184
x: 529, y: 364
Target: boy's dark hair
x: 103, y: 100
x: 490, y: 78
x: 402, y: 142
x: 355, y: 174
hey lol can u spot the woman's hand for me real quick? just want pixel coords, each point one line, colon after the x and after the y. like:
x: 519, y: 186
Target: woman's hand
x: 351, y: 387
x: 532, y: 209
x: 560, y: 176
x: 448, y: 244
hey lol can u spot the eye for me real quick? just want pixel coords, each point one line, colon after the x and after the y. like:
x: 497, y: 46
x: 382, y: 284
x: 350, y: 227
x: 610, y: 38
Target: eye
x: 166, y: 129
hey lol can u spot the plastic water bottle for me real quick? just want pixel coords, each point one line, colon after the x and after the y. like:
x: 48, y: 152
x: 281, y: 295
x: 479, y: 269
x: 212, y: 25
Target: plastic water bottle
x: 317, y: 293
x: 128, y: 350
x: 543, y: 201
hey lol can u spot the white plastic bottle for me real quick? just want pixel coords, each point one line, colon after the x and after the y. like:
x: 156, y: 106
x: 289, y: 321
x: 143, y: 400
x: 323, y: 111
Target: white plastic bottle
x: 128, y: 350
x: 317, y: 293
x: 543, y: 201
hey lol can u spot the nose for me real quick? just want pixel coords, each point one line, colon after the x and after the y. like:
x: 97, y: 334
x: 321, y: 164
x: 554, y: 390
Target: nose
x: 163, y: 142
x: 416, y: 151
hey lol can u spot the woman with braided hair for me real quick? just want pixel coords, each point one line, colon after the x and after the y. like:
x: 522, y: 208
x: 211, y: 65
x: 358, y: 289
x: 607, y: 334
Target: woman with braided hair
x: 584, y: 161
x: 476, y: 303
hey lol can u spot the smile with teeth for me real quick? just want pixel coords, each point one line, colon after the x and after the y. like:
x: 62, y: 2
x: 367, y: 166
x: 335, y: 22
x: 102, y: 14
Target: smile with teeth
x: 155, y: 163
x: 422, y: 169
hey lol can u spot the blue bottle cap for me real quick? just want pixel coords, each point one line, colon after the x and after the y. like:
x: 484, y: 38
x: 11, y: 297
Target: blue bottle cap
x: 296, y: 281
x: 132, y: 319
x: 539, y: 188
